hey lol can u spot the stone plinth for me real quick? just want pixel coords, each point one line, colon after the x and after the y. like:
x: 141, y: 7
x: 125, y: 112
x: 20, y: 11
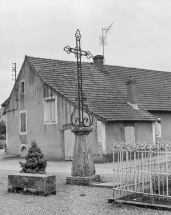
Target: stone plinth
x: 40, y: 184
x: 83, y: 169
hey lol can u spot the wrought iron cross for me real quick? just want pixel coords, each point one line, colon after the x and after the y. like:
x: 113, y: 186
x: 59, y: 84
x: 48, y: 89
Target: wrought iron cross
x: 80, y: 121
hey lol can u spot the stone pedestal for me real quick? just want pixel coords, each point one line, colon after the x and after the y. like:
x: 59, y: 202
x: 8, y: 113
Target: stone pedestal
x: 40, y: 184
x: 83, y: 169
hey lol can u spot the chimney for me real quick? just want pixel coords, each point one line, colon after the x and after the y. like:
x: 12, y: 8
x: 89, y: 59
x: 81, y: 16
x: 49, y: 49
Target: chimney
x: 132, y: 91
x: 98, y: 61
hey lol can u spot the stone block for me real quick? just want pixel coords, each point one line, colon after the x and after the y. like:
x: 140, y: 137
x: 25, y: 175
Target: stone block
x: 40, y: 184
x: 76, y: 180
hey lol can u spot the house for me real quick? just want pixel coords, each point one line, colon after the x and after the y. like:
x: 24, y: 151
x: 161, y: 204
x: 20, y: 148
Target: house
x: 121, y: 100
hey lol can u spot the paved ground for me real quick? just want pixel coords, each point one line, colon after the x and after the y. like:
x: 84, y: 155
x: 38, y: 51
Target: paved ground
x: 69, y: 200
x: 58, y: 167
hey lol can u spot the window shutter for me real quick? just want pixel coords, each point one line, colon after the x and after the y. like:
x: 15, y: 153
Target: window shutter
x: 23, y: 122
x: 50, y: 110
x: 129, y: 134
x: 45, y: 111
x: 22, y: 87
x: 158, y: 129
x: 53, y: 110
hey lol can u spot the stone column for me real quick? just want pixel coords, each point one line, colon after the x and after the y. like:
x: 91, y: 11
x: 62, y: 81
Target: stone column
x: 83, y: 169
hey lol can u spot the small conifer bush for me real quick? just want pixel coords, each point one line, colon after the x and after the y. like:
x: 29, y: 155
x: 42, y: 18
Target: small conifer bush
x: 35, y: 161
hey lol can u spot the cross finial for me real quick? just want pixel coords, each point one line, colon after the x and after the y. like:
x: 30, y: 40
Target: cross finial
x: 77, y: 34
x: 81, y: 120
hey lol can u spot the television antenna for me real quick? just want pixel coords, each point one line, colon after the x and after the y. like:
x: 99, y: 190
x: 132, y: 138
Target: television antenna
x: 103, y: 38
x: 14, y: 71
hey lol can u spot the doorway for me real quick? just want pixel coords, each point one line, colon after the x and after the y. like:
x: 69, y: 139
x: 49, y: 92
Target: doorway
x: 69, y: 141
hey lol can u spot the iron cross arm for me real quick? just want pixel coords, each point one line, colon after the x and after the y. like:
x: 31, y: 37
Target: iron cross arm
x: 78, y: 51
x: 81, y: 120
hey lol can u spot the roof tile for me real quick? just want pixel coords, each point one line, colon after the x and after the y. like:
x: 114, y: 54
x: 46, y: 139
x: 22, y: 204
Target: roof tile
x: 106, y: 91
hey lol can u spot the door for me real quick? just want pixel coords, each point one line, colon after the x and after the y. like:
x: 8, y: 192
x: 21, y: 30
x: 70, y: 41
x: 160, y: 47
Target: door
x: 69, y: 141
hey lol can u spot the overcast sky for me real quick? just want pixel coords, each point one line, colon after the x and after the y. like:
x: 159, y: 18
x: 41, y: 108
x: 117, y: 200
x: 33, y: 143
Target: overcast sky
x: 139, y: 37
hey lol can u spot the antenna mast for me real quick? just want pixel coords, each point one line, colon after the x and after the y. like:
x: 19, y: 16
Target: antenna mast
x: 103, y: 39
x: 14, y: 71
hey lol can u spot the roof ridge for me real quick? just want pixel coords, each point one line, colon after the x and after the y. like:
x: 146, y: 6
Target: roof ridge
x: 57, y: 60
x: 124, y: 67
x: 137, y: 68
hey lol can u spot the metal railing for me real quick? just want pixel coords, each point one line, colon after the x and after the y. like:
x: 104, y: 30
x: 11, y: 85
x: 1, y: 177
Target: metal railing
x: 143, y: 169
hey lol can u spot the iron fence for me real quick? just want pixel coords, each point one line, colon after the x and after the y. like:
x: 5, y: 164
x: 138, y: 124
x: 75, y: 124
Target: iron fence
x: 142, y: 172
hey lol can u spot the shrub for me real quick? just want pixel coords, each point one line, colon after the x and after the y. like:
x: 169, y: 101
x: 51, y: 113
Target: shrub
x: 35, y: 161
x: 161, y: 183
x: 105, y: 158
x: 108, y: 158
x: 2, y: 130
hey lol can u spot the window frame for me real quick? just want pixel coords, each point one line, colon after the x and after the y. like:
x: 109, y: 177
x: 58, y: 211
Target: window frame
x: 22, y: 82
x: 25, y: 132
x: 56, y: 116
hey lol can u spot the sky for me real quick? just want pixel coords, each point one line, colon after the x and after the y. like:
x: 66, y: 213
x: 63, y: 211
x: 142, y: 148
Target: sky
x: 139, y: 37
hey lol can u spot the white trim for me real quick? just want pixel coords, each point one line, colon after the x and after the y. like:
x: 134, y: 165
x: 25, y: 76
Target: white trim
x: 56, y: 113
x: 159, y: 128
x: 24, y: 111
x: 154, y: 131
x: 103, y: 138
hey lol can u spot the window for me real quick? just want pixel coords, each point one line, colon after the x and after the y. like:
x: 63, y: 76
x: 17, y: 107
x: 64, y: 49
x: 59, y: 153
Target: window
x: 129, y: 134
x: 22, y: 87
x: 158, y: 129
x: 23, y: 122
x: 50, y: 110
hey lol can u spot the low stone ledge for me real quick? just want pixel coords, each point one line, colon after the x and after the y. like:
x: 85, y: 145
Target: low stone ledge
x: 76, y: 180
x: 39, y: 184
x: 102, y: 184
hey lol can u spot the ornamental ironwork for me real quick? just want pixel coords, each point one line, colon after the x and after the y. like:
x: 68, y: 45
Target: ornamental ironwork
x: 84, y: 118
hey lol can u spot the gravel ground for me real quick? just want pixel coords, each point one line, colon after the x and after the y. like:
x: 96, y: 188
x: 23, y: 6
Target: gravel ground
x: 69, y: 200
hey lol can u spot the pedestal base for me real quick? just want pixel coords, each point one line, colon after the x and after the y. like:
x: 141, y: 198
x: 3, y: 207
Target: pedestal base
x: 40, y: 184
x: 76, y: 180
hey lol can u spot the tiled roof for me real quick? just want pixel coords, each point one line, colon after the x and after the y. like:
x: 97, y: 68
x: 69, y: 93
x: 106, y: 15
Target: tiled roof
x: 105, y: 93
x: 153, y: 87
x: 5, y: 102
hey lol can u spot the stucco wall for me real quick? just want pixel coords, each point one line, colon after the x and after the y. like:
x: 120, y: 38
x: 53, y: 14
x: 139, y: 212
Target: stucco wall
x: 144, y: 131
x: 165, y: 125
x: 47, y: 136
x: 115, y: 131
x: 50, y: 137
